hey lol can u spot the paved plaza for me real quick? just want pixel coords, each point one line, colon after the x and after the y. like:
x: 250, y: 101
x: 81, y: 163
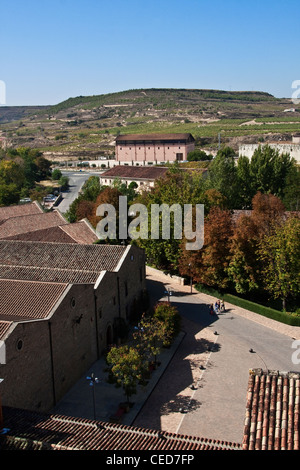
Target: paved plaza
x: 201, y: 384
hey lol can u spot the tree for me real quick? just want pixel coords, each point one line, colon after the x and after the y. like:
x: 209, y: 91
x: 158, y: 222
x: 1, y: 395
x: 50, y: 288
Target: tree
x: 56, y: 174
x: 245, y: 266
x: 198, y: 155
x: 127, y: 368
x: 222, y: 176
x: 246, y: 189
x: 209, y: 265
x: 280, y: 253
x: 269, y: 170
x: 168, y: 314
x: 176, y: 187
x: 151, y: 333
x: 291, y: 198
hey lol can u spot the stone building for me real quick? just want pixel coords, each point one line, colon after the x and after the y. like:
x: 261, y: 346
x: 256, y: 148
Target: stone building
x: 292, y: 148
x: 148, y: 149
x: 61, y: 306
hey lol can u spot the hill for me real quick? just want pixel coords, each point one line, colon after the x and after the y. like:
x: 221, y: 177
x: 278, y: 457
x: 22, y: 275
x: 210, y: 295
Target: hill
x: 86, y: 126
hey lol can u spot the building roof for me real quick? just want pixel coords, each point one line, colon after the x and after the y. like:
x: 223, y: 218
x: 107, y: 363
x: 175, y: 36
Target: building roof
x: 33, y: 431
x: 20, y: 209
x: 135, y: 172
x: 57, y: 262
x: 272, y: 411
x: 20, y: 224
x: 182, y: 137
x: 23, y: 300
x: 77, y: 232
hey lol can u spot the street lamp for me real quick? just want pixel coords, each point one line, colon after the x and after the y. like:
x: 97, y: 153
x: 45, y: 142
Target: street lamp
x: 191, y: 279
x: 93, y: 380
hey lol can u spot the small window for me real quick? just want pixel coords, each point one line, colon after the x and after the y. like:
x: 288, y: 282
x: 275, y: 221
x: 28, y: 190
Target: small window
x: 73, y: 302
x: 19, y: 345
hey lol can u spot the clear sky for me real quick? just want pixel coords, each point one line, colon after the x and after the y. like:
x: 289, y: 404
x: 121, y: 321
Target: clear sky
x: 53, y: 50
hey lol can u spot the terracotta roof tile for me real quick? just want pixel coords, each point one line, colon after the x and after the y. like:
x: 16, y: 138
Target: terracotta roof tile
x: 80, y: 232
x: 135, y: 172
x: 4, y: 326
x: 57, y: 432
x: 19, y: 210
x: 25, y: 300
x: 272, y: 411
x: 57, y: 262
x: 29, y: 223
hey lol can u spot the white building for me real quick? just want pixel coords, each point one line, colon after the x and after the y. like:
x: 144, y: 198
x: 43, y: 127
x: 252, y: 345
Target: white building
x: 293, y: 148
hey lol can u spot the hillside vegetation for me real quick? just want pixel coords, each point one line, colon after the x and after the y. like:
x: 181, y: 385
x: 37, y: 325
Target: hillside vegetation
x: 86, y: 126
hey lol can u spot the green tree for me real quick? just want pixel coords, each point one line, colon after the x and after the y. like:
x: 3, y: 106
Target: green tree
x: 269, y: 170
x: 56, y: 174
x: 168, y: 314
x: 150, y: 335
x: 280, y: 253
x: 222, y: 176
x: 198, y: 155
x: 127, y: 368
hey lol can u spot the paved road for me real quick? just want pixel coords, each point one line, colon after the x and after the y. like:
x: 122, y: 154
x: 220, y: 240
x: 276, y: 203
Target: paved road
x: 220, y: 344
x: 76, y: 180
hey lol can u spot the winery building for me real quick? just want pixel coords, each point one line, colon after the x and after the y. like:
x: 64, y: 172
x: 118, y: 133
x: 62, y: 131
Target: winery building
x: 149, y: 149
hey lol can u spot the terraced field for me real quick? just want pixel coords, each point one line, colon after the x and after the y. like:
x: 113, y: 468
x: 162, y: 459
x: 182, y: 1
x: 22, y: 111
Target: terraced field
x: 86, y: 127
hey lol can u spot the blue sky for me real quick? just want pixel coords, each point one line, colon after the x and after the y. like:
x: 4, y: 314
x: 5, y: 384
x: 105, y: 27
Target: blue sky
x: 53, y: 50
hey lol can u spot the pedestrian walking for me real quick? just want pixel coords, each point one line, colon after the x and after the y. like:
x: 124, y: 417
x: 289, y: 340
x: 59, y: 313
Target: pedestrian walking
x: 222, y: 306
x: 211, y: 309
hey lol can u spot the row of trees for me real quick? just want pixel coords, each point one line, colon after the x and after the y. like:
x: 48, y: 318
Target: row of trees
x: 251, y: 254
x: 129, y: 364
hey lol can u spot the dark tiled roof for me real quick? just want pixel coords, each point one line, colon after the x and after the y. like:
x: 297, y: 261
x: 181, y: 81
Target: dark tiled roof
x: 156, y: 137
x: 28, y: 430
x: 61, y: 262
x: 19, y: 210
x: 135, y: 172
x: 24, y: 300
x: 272, y: 411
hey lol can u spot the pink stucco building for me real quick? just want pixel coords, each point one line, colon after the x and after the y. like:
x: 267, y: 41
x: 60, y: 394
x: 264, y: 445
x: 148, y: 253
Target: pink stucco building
x: 144, y: 149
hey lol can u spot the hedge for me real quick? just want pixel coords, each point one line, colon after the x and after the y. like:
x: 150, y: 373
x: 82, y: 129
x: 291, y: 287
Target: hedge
x: 283, y: 317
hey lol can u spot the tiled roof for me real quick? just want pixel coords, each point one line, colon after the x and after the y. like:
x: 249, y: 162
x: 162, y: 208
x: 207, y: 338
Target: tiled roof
x: 77, y: 232
x: 158, y: 137
x: 272, y: 411
x: 135, y: 172
x: 29, y: 223
x: 80, y: 232
x: 61, y: 262
x: 19, y: 210
x: 29, y: 430
x: 24, y: 300
x: 4, y: 326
